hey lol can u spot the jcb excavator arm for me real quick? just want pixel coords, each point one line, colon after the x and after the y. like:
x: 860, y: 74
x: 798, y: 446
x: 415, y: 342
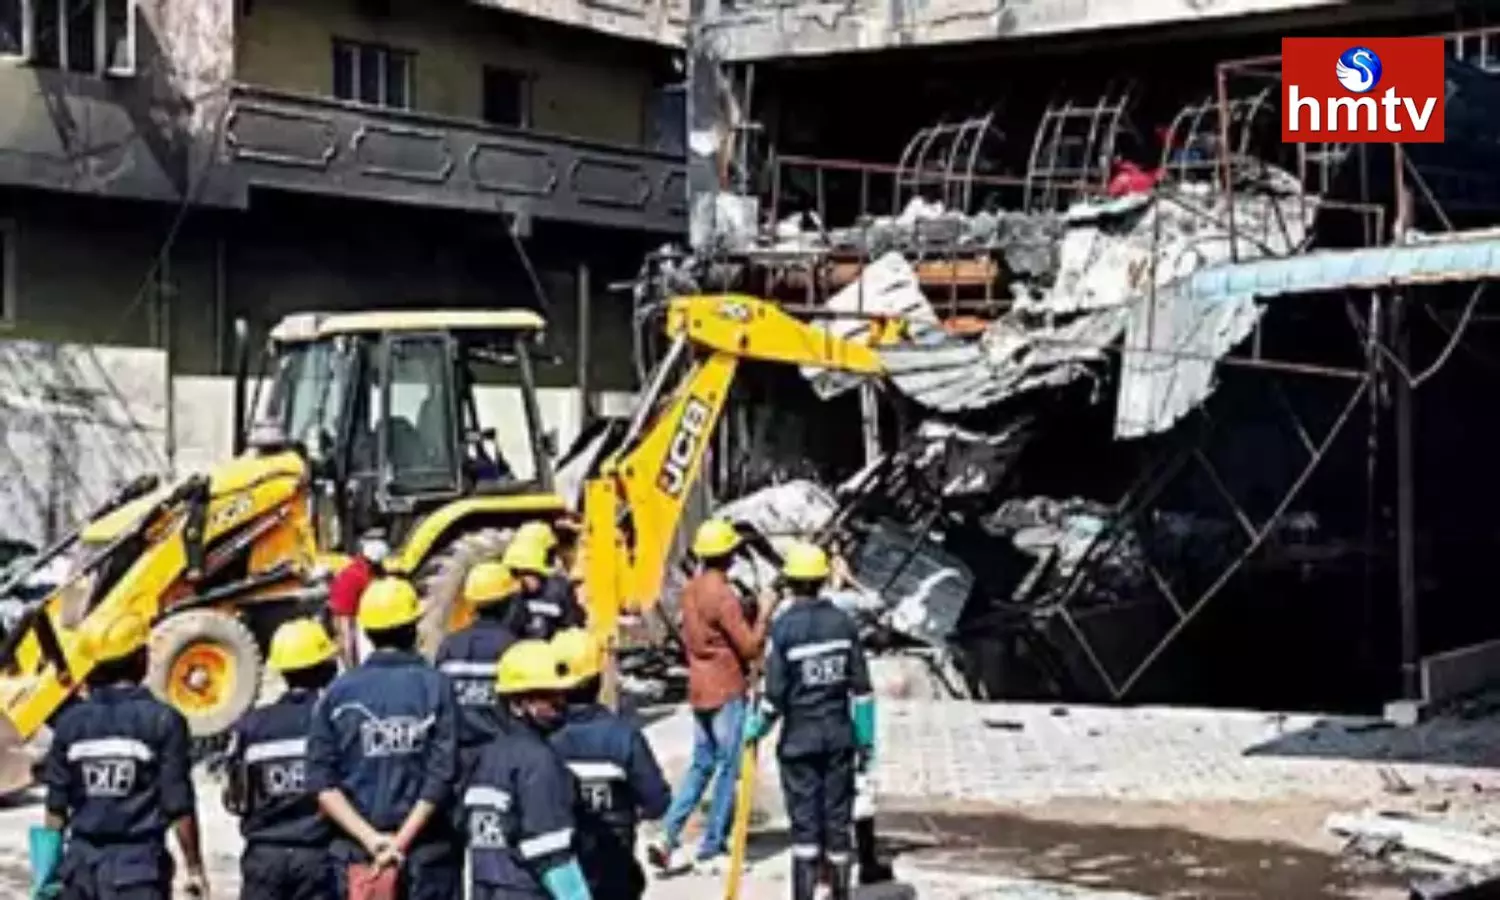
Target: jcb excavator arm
x: 632, y: 508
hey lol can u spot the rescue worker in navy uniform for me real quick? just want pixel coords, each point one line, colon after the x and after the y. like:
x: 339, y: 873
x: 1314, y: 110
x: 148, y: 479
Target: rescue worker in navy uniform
x: 286, y: 837
x: 517, y: 802
x: 117, y: 777
x: 382, y: 755
x: 872, y: 870
x: 469, y: 656
x: 619, y: 779
x: 818, y: 684
x: 548, y: 602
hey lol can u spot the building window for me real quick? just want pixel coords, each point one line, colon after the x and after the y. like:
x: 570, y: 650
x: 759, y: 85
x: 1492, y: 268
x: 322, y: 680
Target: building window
x: 90, y: 36
x: 373, y: 74
x: 507, y: 97
x: 7, y: 272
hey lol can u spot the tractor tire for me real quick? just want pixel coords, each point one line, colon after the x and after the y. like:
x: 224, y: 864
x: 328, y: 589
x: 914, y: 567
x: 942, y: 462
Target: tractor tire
x: 207, y: 665
x: 441, y: 581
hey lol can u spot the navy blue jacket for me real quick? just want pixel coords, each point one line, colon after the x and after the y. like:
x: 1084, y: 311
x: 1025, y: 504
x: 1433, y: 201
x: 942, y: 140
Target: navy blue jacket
x: 517, y: 812
x: 815, y: 666
x: 118, y: 767
x: 386, y: 734
x: 619, y: 783
x: 550, y: 610
x: 469, y: 657
x: 269, y: 746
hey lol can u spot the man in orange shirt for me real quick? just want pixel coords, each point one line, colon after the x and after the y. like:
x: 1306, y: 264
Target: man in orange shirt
x: 721, y: 644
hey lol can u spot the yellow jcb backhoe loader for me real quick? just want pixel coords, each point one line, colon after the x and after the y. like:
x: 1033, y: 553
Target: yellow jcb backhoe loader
x: 633, y: 506
x: 369, y: 420
x: 372, y: 420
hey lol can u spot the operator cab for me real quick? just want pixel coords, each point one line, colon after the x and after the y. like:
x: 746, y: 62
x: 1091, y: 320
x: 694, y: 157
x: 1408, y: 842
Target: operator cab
x: 387, y: 408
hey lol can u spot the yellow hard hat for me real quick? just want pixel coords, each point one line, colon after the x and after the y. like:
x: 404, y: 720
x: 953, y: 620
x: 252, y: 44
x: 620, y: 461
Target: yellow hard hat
x: 530, y: 666
x: 488, y: 582
x: 117, y: 638
x: 525, y: 556
x: 389, y: 603
x: 537, y: 532
x: 805, y: 562
x: 581, y: 652
x: 300, y: 644
x: 716, y: 537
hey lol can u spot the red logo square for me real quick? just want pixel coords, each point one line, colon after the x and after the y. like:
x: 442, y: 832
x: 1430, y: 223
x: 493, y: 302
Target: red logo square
x: 1362, y: 90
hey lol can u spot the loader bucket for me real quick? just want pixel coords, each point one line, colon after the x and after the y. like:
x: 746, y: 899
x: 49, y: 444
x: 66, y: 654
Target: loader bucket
x: 17, y: 761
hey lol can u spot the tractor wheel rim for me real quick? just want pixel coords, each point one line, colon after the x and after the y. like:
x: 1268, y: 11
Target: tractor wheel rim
x: 201, y: 679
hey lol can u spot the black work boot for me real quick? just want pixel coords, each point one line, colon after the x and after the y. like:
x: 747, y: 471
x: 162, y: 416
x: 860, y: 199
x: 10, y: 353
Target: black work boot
x: 838, y: 879
x: 805, y: 878
x: 871, y: 869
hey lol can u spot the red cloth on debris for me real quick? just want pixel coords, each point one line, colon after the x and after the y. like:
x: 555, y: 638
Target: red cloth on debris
x: 348, y: 585
x: 1129, y: 178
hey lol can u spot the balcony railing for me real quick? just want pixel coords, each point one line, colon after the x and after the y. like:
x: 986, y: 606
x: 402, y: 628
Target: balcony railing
x: 319, y: 145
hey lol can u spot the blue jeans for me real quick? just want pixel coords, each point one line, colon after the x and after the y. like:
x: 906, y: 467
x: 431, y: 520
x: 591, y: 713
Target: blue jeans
x: 716, y: 758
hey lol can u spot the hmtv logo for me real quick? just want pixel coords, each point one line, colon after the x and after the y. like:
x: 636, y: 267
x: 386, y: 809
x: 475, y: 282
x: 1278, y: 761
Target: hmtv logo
x: 1362, y: 90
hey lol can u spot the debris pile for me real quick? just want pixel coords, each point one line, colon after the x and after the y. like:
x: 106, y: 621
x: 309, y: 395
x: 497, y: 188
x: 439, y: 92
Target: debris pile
x: 1117, y: 279
x: 1029, y: 243
x: 942, y: 530
x: 897, y: 580
x: 1444, y: 860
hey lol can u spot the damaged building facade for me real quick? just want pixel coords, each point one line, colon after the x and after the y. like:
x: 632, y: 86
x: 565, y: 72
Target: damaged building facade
x: 1177, y: 412
x: 170, y: 166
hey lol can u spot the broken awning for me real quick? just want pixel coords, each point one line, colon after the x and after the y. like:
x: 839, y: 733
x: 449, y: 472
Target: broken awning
x: 1452, y: 258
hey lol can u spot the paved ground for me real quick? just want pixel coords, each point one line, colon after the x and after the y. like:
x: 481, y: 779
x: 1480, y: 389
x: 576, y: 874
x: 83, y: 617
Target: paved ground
x: 1033, y: 802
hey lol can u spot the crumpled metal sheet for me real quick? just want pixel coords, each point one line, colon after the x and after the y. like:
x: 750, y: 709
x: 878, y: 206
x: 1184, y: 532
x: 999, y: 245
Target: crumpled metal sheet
x: 924, y: 587
x: 886, y: 287
x: 957, y: 375
x: 1173, y: 346
x: 1120, y: 264
x: 968, y: 464
x: 1175, y: 336
x: 1061, y: 535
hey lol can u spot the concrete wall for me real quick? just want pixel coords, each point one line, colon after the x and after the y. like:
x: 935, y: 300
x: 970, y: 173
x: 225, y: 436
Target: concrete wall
x: 583, y: 85
x: 85, y: 272
x: 744, y: 30
x: 658, y: 21
x: 75, y: 423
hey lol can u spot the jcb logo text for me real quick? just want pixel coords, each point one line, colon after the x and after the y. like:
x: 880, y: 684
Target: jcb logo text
x: 684, y: 446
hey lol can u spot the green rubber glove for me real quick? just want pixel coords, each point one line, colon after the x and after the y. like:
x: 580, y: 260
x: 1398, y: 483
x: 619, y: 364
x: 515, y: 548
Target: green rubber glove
x: 756, y: 726
x: 864, y: 725
x: 46, y: 852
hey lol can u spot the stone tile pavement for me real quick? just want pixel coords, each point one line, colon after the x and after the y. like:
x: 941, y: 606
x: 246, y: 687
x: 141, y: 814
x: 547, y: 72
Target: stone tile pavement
x: 938, y: 755
x: 1011, y: 754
